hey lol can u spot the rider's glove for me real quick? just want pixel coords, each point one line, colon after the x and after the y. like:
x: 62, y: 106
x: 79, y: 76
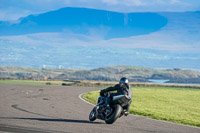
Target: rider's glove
x: 102, y: 92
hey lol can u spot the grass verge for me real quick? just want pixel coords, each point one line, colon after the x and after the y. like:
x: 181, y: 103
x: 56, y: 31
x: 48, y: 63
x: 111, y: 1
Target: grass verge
x: 31, y: 82
x: 178, y: 105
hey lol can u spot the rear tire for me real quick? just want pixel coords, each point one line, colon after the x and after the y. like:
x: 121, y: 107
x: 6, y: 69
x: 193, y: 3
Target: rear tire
x: 116, y: 113
x: 93, y: 115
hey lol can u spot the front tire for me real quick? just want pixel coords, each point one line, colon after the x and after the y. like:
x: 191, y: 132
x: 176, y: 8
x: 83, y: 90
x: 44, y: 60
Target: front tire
x: 93, y: 115
x: 115, y: 114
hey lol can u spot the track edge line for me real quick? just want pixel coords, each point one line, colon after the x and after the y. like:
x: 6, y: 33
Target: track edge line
x: 80, y: 97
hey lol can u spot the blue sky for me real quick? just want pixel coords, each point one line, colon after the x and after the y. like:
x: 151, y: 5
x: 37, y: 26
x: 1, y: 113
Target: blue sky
x: 14, y: 9
x: 178, y: 42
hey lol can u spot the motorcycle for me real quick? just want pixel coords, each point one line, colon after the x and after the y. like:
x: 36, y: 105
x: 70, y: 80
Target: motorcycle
x: 109, y: 111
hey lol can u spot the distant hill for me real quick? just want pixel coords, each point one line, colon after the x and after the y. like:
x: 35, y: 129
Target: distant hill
x: 84, y: 21
x: 135, y: 74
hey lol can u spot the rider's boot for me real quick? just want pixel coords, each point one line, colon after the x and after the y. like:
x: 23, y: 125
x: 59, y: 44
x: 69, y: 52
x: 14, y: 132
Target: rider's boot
x: 126, y: 113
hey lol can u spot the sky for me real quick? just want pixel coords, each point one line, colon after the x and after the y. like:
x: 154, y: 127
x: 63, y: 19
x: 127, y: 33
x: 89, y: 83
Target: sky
x: 179, y: 38
x: 12, y: 10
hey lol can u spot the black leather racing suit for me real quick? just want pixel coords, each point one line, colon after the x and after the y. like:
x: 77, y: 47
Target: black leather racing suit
x: 122, y: 89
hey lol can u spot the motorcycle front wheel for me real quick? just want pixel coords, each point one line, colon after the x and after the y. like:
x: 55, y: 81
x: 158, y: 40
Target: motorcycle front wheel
x: 93, y: 115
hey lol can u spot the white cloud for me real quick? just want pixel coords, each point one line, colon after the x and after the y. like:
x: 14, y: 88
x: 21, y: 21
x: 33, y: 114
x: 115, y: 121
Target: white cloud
x: 134, y: 3
x: 175, y: 1
x: 156, y: 41
x: 112, y: 2
x: 13, y: 10
x: 124, y: 2
x: 13, y: 14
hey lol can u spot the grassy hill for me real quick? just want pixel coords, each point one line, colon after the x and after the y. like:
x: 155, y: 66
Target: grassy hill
x: 135, y: 74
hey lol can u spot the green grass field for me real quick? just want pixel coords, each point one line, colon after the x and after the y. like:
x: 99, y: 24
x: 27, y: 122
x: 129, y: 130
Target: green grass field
x: 30, y: 82
x: 179, y: 105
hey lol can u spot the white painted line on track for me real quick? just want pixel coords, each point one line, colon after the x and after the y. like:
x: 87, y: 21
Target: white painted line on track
x: 80, y: 96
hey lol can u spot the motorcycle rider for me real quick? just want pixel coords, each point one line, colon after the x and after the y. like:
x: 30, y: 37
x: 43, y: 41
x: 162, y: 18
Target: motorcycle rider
x: 122, y: 88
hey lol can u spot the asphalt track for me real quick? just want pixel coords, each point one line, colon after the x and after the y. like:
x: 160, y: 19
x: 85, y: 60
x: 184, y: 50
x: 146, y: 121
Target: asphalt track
x: 53, y: 109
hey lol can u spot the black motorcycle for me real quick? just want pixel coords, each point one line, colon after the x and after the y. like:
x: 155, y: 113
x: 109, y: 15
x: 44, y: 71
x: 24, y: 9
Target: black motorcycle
x: 109, y: 111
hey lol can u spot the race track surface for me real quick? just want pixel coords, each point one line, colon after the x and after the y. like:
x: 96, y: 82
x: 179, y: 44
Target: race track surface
x: 53, y: 109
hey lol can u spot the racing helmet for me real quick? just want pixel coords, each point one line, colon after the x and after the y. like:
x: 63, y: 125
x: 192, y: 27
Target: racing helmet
x: 123, y: 80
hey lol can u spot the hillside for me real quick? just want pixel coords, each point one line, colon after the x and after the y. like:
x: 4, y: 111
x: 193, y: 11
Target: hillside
x: 135, y: 74
x: 87, y: 22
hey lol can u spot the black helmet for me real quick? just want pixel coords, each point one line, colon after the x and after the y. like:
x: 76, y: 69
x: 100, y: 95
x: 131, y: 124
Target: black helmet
x: 123, y: 80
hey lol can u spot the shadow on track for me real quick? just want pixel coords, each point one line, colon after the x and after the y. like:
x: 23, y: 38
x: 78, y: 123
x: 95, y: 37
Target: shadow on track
x: 53, y: 120
x: 47, y: 119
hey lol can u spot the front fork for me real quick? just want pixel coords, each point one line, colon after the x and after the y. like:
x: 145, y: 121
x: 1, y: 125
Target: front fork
x: 103, y: 111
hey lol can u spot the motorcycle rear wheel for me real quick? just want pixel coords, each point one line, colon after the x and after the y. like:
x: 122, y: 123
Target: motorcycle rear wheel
x: 115, y: 114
